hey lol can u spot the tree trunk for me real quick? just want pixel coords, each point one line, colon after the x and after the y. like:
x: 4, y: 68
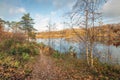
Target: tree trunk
x: 91, y: 56
x: 87, y: 52
x: 87, y: 57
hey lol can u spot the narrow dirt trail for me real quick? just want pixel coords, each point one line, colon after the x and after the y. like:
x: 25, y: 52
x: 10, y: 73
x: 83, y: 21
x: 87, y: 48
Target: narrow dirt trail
x: 44, y: 69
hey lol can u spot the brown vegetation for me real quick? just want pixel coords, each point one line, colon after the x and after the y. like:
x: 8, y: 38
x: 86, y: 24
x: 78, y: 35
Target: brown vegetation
x: 108, y: 34
x: 16, y: 53
x: 68, y: 33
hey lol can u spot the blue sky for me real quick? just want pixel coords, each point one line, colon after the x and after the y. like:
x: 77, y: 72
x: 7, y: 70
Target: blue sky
x: 43, y: 11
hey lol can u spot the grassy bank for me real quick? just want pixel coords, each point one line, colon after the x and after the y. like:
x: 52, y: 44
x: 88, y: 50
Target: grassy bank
x: 77, y: 69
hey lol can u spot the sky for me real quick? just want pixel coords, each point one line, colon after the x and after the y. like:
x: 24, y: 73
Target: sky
x: 51, y: 11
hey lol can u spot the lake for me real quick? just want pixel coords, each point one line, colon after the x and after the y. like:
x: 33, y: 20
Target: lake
x: 100, y: 50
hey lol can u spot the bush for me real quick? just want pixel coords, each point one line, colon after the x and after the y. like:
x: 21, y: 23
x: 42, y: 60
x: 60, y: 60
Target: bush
x: 19, y: 49
x: 35, y: 51
x: 6, y: 44
x: 25, y: 56
x: 41, y: 45
x: 28, y: 48
x: 16, y: 45
x: 16, y: 64
x: 58, y: 55
x: 12, y: 67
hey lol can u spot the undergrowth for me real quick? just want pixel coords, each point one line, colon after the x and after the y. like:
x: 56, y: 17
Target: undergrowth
x: 16, y: 62
x: 78, y: 68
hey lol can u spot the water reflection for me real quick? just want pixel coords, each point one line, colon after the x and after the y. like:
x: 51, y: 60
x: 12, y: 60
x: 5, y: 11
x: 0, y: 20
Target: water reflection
x: 99, y: 50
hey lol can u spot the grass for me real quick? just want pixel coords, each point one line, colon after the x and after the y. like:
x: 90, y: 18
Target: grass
x: 78, y: 69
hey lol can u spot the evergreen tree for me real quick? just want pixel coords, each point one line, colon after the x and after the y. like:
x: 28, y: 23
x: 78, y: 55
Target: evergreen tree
x: 27, y: 25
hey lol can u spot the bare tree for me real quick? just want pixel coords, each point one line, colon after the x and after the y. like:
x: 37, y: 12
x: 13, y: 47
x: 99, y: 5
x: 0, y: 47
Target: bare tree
x: 85, y: 13
x: 51, y: 27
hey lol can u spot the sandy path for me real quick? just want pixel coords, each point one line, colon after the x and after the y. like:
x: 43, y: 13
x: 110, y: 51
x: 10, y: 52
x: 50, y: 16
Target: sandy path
x: 44, y: 69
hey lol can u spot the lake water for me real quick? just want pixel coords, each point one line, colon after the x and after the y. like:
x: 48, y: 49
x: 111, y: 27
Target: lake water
x: 101, y: 50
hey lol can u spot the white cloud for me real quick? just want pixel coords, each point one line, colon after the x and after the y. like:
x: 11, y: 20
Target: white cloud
x: 16, y: 10
x: 112, y: 20
x: 53, y: 13
x: 41, y: 22
x: 59, y: 26
x: 10, y: 7
x: 1, y: 17
x: 111, y: 10
x: 58, y: 4
x: 63, y: 3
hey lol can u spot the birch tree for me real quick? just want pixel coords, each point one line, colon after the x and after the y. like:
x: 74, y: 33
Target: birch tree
x: 86, y: 13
